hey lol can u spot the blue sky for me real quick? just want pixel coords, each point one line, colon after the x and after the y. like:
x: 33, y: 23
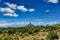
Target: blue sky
x: 22, y: 12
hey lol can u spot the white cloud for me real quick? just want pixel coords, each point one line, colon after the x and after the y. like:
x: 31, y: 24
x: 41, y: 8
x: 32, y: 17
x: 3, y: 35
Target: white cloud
x: 21, y: 7
x: 51, y: 23
x: 47, y: 10
x: 24, y: 9
x: 44, y: 23
x: 1, y: 21
x: 12, y: 24
x: 11, y: 14
x: 31, y: 10
x: 6, y: 10
x: 7, y: 23
x: 13, y: 6
x: 10, y: 10
x: 52, y: 1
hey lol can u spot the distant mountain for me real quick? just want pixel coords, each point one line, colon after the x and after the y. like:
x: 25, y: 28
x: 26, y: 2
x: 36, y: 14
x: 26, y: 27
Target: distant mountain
x: 30, y: 25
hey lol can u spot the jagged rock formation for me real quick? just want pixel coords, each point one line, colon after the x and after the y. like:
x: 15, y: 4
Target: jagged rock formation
x: 30, y: 25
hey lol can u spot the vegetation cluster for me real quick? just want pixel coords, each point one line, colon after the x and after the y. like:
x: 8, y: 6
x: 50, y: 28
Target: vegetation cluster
x: 24, y: 33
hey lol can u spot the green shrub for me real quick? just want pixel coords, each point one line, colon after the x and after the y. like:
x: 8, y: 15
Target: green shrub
x: 11, y: 32
x: 35, y: 31
x: 1, y: 32
x: 52, y: 36
x: 8, y: 38
x: 30, y: 32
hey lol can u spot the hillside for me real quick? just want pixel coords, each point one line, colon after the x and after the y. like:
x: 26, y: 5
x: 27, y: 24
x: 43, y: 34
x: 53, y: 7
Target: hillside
x: 30, y: 33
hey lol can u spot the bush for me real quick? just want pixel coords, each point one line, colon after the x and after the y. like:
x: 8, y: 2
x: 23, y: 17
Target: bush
x: 30, y: 32
x: 1, y: 32
x: 11, y: 32
x: 35, y: 31
x: 42, y: 39
x: 8, y: 38
x: 52, y: 36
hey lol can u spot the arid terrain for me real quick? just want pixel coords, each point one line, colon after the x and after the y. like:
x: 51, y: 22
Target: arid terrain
x: 31, y: 32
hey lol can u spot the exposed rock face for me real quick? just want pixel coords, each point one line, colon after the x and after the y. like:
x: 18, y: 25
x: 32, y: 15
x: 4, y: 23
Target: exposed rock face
x: 29, y: 25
